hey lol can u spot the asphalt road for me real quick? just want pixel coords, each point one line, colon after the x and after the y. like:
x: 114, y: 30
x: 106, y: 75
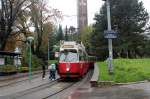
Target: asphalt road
x: 133, y: 91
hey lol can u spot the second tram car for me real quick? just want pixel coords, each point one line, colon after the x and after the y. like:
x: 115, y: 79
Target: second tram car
x: 73, y: 60
x: 91, y: 61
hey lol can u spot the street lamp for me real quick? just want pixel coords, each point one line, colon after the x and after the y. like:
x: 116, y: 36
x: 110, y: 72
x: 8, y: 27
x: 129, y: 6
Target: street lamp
x: 30, y: 39
x: 109, y: 34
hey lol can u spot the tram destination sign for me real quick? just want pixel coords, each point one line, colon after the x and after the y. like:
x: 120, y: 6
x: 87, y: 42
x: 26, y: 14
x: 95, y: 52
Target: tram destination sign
x: 110, y: 34
x: 68, y: 46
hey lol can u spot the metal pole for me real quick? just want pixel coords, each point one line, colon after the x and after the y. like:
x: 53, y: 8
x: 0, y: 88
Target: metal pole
x: 17, y: 64
x: 48, y: 51
x: 30, y: 61
x: 110, y: 65
x: 108, y: 14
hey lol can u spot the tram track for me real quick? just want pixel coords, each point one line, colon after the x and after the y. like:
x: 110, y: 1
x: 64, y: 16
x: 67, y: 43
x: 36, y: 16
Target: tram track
x: 33, y: 90
x: 8, y: 83
x: 87, y: 77
x: 57, y: 82
x: 47, y: 90
x: 66, y: 87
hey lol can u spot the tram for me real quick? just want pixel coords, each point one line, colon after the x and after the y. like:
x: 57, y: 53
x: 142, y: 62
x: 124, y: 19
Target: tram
x: 73, y: 60
x: 91, y: 61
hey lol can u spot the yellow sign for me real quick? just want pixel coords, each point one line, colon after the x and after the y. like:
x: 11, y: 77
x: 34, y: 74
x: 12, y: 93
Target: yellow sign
x: 68, y: 46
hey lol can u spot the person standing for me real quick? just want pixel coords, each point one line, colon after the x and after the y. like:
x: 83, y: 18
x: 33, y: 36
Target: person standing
x: 49, y: 69
x: 43, y: 70
x: 52, y: 70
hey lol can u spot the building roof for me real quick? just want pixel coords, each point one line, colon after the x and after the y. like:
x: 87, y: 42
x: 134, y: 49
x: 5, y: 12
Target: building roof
x: 7, y: 53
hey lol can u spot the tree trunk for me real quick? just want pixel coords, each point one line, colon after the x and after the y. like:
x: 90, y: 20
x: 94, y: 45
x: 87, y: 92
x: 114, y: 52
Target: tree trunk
x: 127, y: 53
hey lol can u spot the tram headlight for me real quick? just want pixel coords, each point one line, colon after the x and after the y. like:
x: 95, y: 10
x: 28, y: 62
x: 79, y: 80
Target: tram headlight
x: 67, y: 67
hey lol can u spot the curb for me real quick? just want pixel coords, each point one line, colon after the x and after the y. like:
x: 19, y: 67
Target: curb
x: 101, y: 84
x: 105, y: 83
x: 95, y: 83
x: 95, y: 76
x: 144, y: 81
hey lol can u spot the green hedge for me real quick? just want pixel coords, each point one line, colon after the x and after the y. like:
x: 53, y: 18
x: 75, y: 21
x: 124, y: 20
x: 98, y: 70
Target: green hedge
x: 23, y: 69
x: 8, y: 68
x: 37, y: 63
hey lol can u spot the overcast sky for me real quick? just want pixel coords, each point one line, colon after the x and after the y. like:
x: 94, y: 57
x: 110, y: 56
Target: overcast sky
x: 69, y: 10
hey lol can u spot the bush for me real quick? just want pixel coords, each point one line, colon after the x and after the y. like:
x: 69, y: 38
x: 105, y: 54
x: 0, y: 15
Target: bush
x: 23, y: 69
x: 8, y: 68
x: 37, y: 63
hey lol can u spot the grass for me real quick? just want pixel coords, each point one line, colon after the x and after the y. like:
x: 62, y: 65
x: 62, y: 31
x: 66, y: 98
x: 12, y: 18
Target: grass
x: 52, y: 61
x: 126, y: 70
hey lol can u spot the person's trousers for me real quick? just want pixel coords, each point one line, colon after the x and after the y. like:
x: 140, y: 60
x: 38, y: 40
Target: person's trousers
x: 43, y: 75
x: 52, y: 75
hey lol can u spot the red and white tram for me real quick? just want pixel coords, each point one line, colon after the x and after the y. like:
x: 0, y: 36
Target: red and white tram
x: 73, y: 60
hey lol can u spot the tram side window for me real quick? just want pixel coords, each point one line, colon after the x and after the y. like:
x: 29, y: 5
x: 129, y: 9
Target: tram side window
x: 82, y: 58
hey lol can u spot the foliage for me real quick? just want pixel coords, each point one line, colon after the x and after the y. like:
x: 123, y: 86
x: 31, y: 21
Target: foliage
x: 60, y: 35
x: 52, y: 61
x: 8, y: 15
x: 126, y: 70
x: 45, y: 38
x: 8, y: 68
x: 30, y: 17
x: 23, y: 69
x: 129, y: 19
x: 40, y: 22
x: 72, y: 34
x: 53, y: 42
x: 146, y: 51
x: 66, y: 34
x: 85, y: 35
x: 37, y: 63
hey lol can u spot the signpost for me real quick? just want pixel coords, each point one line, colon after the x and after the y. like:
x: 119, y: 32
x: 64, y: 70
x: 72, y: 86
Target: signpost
x: 56, y: 54
x: 109, y: 34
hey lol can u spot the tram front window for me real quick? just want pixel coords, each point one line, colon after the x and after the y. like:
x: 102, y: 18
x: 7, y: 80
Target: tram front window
x: 69, y: 57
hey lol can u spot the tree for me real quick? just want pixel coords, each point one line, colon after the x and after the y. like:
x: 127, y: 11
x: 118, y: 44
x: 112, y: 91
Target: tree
x: 36, y: 13
x: 73, y: 33
x: 66, y: 34
x: 41, y: 19
x: 129, y: 17
x: 8, y: 15
x: 86, y: 34
x: 60, y: 35
x: 47, y: 33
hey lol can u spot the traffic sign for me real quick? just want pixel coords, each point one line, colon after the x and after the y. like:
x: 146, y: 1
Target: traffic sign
x: 57, y: 54
x: 110, y: 34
